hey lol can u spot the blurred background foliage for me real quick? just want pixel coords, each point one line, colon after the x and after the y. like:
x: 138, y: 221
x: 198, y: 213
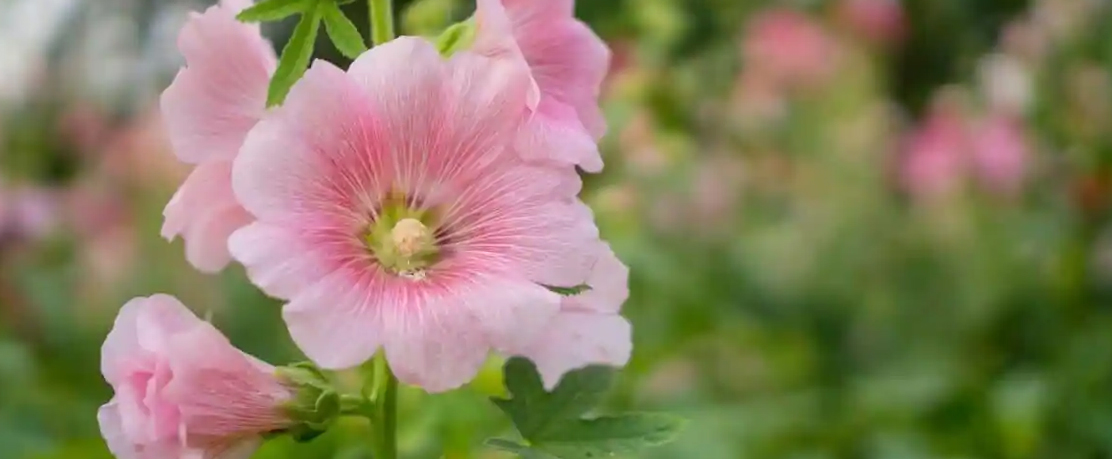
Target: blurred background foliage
x: 857, y: 228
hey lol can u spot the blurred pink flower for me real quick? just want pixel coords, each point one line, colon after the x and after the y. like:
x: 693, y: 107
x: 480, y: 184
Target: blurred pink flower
x: 393, y: 212
x: 879, y: 21
x: 588, y: 329
x: 568, y: 63
x: 29, y: 212
x: 1000, y: 154
x: 789, y: 46
x: 934, y: 161
x: 182, y: 391
x: 209, y: 108
x: 951, y: 147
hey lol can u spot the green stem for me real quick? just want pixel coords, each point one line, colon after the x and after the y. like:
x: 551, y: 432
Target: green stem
x: 382, y: 21
x: 385, y: 408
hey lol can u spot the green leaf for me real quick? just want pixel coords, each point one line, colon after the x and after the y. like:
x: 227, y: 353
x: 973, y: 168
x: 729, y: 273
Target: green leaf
x: 612, y: 435
x: 295, y: 57
x: 274, y: 10
x: 517, y: 448
x: 342, y: 32
x: 535, y: 411
x: 568, y: 291
x: 553, y: 423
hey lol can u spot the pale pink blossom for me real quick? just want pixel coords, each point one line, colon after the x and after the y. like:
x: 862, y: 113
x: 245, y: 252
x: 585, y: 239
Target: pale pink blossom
x: 880, y: 21
x: 208, y: 110
x: 393, y: 212
x: 568, y: 63
x: 951, y: 148
x: 935, y: 160
x: 1000, y: 152
x: 588, y: 329
x: 789, y: 46
x: 181, y: 390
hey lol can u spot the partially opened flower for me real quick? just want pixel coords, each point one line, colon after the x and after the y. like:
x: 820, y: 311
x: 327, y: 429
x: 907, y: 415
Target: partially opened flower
x: 393, y: 212
x: 588, y: 330
x: 568, y: 63
x: 208, y: 109
x: 181, y: 390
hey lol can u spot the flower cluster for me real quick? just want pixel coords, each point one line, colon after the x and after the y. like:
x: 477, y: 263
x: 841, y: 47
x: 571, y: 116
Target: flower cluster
x: 421, y: 203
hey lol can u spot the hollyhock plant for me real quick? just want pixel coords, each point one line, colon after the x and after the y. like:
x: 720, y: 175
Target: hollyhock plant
x: 419, y: 208
x: 393, y: 212
x: 208, y: 110
x: 182, y: 390
x: 935, y: 158
x: 568, y: 64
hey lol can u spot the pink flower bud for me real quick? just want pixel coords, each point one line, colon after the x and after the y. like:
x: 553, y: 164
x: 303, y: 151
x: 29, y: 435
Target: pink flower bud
x: 181, y: 389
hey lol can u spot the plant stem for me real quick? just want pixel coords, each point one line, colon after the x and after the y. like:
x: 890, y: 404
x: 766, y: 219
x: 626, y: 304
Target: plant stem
x: 382, y: 21
x: 385, y: 410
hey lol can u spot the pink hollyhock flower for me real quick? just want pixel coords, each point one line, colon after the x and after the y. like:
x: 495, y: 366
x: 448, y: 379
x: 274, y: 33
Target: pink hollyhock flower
x: 789, y: 46
x: 393, y: 212
x: 208, y: 109
x: 588, y: 329
x: 568, y: 63
x: 182, y: 390
x: 999, y: 153
x: 935, y: 159
x: 880, y: 21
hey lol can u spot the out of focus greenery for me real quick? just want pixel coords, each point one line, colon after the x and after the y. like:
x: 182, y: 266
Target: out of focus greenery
x: 802, y: 287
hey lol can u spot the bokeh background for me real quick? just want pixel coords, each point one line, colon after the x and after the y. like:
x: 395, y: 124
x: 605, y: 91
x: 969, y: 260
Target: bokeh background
x: 870, y: 229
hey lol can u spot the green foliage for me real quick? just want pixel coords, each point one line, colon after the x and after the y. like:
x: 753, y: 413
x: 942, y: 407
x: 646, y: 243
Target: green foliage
x: 553, y: 423
x: 275, y: 10
x: 341, y: 30
x: 295, y: 56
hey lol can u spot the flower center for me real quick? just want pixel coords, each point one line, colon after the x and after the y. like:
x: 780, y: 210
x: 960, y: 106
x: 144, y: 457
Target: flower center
x: 401, y: 241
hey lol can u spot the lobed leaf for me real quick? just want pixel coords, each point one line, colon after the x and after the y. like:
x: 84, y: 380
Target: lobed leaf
x: 553, y: 423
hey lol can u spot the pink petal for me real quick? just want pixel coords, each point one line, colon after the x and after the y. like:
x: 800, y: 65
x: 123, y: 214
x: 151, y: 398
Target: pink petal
x: 220, y: 391
x: 495, y: 39
x: 510, y: 312
x: 277, y: 261
x: 555, y: 132
x: 338, y: 321
x: 205, y: 212
x: 437, y: 345
x: 111, y: 428
x: 609, y: 284
x: 577, y: 339
x: 276, y: 174
x: 221, y: 94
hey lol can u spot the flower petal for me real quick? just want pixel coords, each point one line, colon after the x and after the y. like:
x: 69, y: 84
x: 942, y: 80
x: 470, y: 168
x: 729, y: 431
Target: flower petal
x: 338, y: 322
x: 221, y: 94
x: 204, y: 211
x: 277, y: 261
x: 435, y: 345
x: 578, y: 339
x: 609, y: 284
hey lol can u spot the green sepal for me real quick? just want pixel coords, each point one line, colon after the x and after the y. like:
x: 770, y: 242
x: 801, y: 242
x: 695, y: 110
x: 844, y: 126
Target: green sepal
x: 315, y: 404
x: 457, y: 37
